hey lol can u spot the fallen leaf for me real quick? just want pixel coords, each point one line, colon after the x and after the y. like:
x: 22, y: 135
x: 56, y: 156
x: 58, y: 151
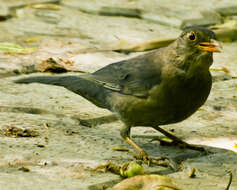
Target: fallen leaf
x: 201, y: 109
x: 15, y: 48
x: 131, y: 169
x: 224, y: 69
x: 119, y: 148
x: 114, y: 168
x: 52, y: 65
x: 24, y: 169
x: 146, y: 182
x: 13, y: 131
x: 192, y: 173
x: 32, y: 40
x: 45, y: 6
x: 125, y: 46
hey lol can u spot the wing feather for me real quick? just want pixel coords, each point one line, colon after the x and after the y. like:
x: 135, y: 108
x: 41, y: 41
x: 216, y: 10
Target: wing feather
x: 132, y: 77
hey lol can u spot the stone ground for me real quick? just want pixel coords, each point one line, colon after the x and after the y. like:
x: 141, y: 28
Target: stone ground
x: 62, y: 137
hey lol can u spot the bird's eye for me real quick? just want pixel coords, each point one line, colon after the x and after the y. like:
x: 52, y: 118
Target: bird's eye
x: 191, y: 36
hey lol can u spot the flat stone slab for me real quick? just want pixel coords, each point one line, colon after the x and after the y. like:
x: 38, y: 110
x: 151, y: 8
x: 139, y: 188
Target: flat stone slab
x: 53, y: 139
x: 162, y: 12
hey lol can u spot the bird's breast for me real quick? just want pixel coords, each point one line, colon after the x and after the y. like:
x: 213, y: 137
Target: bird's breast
x: 180, y: 97
x: 169, y: 102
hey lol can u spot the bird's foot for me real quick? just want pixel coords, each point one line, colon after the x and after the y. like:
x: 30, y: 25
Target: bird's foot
x: 159, y: 161
x: 143, y: 156
x: 181, y: 144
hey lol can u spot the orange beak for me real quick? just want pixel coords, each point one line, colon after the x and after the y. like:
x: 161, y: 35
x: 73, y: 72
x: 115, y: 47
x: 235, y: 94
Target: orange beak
x: 213, y: 46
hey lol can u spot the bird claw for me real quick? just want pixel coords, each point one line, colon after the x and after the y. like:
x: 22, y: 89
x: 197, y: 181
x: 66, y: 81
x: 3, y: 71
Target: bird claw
x: 143, y: 156
x: 159, y: 161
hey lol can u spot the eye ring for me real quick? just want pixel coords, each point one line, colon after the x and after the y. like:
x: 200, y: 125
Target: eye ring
x: 192, y: 36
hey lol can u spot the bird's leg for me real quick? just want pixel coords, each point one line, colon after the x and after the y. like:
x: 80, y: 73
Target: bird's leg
x: 177, y: 141
x: 125, y: 133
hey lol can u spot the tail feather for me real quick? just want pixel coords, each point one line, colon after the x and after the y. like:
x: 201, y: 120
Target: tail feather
x: 53, y: 80
x: 86, y: 88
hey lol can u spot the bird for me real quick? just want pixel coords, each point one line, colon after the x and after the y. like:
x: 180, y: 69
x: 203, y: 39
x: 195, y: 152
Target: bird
x: 160, y: 87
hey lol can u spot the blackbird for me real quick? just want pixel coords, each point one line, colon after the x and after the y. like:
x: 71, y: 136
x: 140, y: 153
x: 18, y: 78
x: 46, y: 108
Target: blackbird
x: 161, y: 87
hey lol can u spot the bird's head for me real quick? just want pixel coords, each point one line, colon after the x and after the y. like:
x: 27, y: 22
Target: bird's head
x: 199, y: 39
x: 195, y: 46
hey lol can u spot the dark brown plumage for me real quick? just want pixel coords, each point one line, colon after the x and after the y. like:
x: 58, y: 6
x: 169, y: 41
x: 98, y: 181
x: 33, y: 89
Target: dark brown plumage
x: 160, y: 87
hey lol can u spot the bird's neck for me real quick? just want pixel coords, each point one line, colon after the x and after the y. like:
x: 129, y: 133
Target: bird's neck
x: 190, y: 61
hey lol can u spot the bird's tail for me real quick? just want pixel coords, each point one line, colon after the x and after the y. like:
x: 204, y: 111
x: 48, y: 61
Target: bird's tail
x: 53, y: 80
x: 79, y: 85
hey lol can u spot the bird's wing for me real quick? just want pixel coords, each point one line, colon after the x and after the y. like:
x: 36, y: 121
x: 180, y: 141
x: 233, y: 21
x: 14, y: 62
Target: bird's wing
x: 132, y: 77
